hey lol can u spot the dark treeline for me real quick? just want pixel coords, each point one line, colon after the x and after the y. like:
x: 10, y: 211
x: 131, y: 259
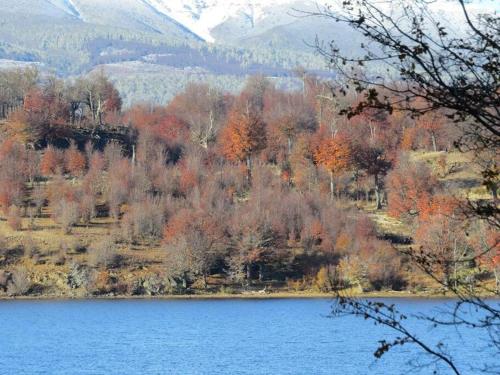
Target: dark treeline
x: 263, y: 188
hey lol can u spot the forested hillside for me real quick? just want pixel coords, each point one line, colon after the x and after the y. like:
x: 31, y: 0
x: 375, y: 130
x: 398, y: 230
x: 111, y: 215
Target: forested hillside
x: 265, y: 190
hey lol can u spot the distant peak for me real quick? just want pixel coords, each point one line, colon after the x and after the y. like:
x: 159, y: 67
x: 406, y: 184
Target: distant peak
x: 68, y: 6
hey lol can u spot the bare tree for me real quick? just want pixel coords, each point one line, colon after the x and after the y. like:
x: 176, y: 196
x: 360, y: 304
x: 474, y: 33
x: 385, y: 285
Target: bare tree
x: 99, y: 96
x: 144, y: 220
x: 202, y: 107
x: 66, y: 213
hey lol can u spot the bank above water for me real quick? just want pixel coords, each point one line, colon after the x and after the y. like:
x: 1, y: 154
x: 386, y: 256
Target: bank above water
x: 242, y: 296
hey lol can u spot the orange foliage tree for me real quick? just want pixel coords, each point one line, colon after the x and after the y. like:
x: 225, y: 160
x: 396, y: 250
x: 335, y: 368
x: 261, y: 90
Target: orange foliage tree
x: 408, y: 139
x: 411, y: 186
x: 75, y: 161
x: 50, y: 162
x: 45, y: 114
x: 13, y: 173
x: 334, y: 154
x: 244, y: 136
x: 436, y: 205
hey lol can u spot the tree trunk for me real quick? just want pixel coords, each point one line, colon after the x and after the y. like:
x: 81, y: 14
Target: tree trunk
x: 434, y: 143
x: 99, y: 112
x: 249, y: 170
x: 248, y: 275
x: 332, y: 192
x: 356, y: 179
x: 210, y: 130
x: 378, y: 199
x: 494, y: 192
x: 378, y: 196
x: 91, y: 106
x: 372, y: 131
x: 455, y: 264
x: 447, y: 274
x: 184, y: 281
x: 261, y: 272
x: 205, y: 283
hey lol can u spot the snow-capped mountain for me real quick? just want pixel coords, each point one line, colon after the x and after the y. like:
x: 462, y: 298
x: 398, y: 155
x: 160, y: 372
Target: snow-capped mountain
x: 204, y: 16
x: 152, y: 48
x: 201, y: 17
x: 213, y: 20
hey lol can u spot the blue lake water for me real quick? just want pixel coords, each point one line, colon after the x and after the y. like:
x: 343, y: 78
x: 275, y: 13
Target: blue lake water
x: 206, y: 337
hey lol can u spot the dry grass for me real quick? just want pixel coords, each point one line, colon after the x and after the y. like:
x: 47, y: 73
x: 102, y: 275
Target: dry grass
x: 388, y: 224
x: 461, y: 176
x: 51, y: 245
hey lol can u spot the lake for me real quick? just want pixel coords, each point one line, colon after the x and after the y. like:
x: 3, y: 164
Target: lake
x: 289, y: 336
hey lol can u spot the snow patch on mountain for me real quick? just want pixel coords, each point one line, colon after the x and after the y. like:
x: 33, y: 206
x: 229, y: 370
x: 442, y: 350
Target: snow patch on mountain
x: 67, y: 6
x: 230, y: 20
x: 202, y: 16
x: 223, y: 21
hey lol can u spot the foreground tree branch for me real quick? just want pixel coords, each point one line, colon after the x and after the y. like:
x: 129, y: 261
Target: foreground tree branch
x: 410, y: 61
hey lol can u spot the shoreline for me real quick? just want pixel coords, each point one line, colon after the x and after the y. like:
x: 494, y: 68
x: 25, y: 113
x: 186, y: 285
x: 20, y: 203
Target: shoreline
x: 240, y: 296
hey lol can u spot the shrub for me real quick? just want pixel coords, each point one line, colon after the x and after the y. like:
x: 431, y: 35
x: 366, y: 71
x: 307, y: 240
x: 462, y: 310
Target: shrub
x: 104, y: 253
x: 80, y: 276
x: 118, y: 186
x: 151, y: 285
x: 80, y: 247
x: 59, y: 258
x: 14, y: 218
x: 145, y: 220
x: 66, y: 213
x: 4, y: 280
x: 386, y: 275
x: 88, y: 208
x: 102, y: 281
x: 20, y: 283
x: 30, y: 247
x: 3, y: 245
x: 39, y: 197
x: 298, y: 285
x: 325, y: 279
x: 351, y: 271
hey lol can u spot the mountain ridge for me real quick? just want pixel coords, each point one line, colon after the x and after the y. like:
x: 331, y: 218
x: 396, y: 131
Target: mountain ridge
x: 226, y: 40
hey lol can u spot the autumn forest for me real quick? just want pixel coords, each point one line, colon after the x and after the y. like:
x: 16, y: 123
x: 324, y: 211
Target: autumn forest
x: 260, y: 192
